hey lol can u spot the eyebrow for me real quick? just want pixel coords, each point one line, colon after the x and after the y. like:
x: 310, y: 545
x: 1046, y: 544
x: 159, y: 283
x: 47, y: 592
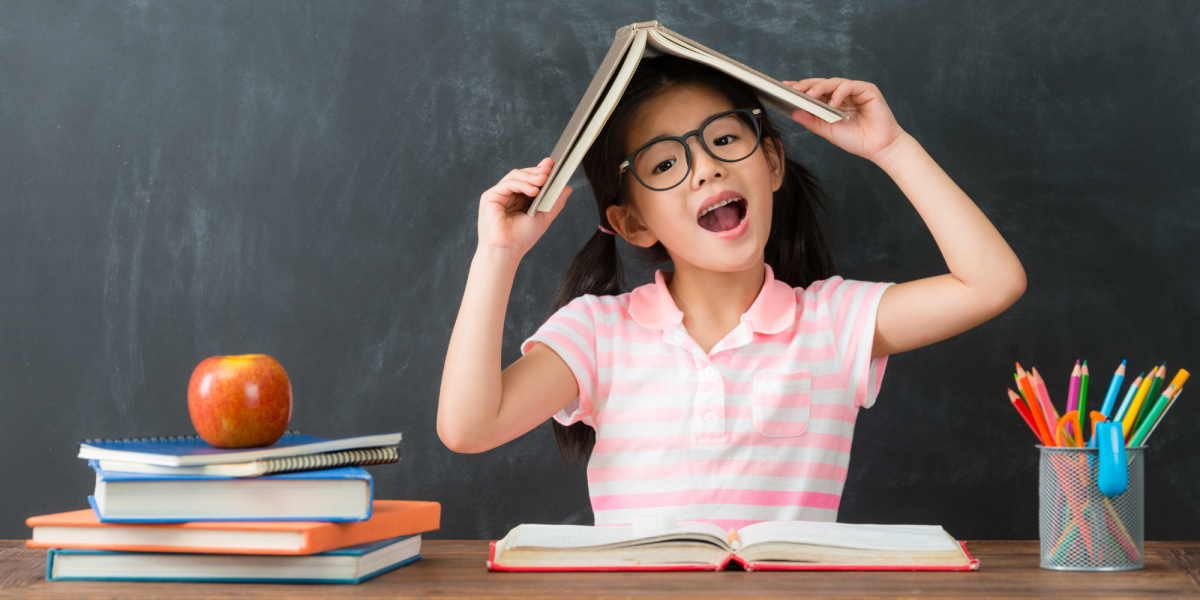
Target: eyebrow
x: 663, y: 136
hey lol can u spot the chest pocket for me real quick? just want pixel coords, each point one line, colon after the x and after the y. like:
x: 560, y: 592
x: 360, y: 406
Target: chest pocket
x: 781, y: 403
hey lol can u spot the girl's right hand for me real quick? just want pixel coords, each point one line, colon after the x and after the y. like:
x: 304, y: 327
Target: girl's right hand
x: 503, y: 224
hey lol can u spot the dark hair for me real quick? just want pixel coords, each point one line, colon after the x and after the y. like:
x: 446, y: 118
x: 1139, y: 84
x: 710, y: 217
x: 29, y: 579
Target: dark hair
x: 796, y: 246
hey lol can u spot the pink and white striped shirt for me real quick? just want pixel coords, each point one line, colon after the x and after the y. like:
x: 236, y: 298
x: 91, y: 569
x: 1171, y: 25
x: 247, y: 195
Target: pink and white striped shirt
x: 757, y: 429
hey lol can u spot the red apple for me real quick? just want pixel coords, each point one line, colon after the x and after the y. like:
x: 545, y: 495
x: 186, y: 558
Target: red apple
x: 240, y: 401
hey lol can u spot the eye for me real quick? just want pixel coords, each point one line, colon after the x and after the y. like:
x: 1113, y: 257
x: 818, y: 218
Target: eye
x: 725, y: 140
x: 664, y: 166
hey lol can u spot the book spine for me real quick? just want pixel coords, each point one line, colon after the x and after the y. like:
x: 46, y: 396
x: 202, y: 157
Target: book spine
x: 309, y: 462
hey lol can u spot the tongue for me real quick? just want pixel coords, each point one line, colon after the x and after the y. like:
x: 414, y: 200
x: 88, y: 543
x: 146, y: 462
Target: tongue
x: 722, y: 219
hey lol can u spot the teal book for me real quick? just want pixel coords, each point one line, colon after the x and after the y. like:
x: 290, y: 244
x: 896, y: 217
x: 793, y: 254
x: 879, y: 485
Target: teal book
x: 353, y: 564
x: 341, y: 494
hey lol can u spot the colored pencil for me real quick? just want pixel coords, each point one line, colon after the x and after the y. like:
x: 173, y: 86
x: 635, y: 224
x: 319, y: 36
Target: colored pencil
x: 1133, y: 388
x: 1180, y: 378
x: 1035, y: 408
x: 1083, y: 387
x: 1040, y: 414
x: 1136, y: 407
x: 1159, y: 406
x: 1039, y: 386
x: 1073, y: 390
x: 1151, y: 396
x: 1023, y: 409
x: 1114, y: 388
x: 1163, y: 415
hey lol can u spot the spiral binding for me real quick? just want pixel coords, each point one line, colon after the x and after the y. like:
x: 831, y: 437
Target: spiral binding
x: 381, y: 455
x: 159, y: 439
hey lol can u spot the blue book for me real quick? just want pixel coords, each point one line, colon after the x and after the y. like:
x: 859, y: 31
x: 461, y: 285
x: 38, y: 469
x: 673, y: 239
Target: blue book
x: 342, y: 494
x: 190, y: 450
x: 353, y: 564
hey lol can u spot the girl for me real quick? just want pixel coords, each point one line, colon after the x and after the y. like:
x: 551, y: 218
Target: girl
x: 727, y: 390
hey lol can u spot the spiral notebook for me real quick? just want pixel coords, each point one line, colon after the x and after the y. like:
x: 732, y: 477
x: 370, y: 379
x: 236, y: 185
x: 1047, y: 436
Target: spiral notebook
x: 267, y: 466
x: 190, y: 450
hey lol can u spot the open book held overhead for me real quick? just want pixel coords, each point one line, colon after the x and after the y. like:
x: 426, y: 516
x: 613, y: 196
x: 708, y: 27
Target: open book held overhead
x: 608, y: 85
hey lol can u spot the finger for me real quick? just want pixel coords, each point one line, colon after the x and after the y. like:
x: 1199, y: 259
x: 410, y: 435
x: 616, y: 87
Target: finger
x: 522, y: 175
x: 824, y: 87
x: 805, y: 84
x: 840, y: 92
x: 509, y: 187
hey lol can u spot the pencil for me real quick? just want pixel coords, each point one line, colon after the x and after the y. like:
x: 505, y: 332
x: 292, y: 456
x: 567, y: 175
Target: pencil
x: 1040, y: 415
x: 1163, y: 415
x: 1073, y: 391
x: 1019, y: 404
x: 1083, y: 387
x: 1136, y: 407
x: 1151, y: 396
x: 1133, y: 388
x: 1148, y: 423
x: 1114, y: 388
x: 1039, y: 386
x: 1156, y: 387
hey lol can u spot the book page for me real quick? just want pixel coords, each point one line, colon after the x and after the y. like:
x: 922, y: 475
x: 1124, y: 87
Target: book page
x: 845, y: 535
x: 779, y: 96
x: 583, y: 536
x: 555, y: 184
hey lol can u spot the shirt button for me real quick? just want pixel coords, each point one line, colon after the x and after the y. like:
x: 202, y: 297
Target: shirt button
x: 710, y: 372
x: 710, y: 418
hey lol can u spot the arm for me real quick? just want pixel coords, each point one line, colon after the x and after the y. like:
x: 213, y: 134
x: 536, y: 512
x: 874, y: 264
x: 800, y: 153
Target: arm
x: 985, y: 275
x: 480, y: 406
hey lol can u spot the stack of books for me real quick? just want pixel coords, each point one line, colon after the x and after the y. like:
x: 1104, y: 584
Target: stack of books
x: 178, y: 509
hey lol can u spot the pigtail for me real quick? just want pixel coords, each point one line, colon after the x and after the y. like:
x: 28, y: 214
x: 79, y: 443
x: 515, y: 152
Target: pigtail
x: 797, y: 247
x: 596, y: 270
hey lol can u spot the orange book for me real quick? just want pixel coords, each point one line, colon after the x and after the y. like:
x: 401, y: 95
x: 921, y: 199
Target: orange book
x: 80, y: 529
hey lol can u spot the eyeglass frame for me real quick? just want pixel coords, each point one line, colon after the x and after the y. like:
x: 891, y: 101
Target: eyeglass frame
x: 756, y: 117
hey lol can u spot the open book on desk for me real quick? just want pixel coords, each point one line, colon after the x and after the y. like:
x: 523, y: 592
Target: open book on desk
x: 608, y: 85
x: 699, y: 546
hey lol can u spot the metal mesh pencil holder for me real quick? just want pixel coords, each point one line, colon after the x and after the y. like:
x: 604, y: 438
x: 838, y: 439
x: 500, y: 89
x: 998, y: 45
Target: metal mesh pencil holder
x: 1081, y: 528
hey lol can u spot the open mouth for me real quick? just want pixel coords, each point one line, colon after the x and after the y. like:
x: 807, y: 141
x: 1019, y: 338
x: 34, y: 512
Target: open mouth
x: 724, y: 215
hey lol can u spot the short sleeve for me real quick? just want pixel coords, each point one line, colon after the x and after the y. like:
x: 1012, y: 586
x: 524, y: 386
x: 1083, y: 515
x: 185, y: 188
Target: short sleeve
x: 571, y: 333
x: 852, y: 308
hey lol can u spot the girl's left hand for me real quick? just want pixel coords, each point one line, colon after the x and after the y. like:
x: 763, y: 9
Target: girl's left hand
x: 871, y: 128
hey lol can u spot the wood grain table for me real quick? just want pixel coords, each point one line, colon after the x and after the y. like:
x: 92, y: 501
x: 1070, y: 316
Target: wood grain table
x: 455, y: 569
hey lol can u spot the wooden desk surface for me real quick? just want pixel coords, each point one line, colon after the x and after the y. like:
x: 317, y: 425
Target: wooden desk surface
x: 455, y: 569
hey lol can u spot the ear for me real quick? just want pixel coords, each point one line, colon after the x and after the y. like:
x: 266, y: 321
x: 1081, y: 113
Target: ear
x: 773, y: 149
x: 626, y: 222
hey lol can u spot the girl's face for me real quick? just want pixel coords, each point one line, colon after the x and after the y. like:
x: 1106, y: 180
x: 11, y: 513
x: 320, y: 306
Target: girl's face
x: 725, y: 239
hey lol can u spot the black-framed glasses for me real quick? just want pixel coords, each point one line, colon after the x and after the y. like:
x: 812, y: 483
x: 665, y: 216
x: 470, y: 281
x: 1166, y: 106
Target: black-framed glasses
x: 728, y: 137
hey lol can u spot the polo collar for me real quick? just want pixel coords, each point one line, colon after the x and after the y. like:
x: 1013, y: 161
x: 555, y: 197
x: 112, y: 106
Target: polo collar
x: 774, y: 310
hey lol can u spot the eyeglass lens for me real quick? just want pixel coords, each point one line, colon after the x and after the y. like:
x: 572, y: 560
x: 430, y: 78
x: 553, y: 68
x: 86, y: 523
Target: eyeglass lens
x: 664, y: 164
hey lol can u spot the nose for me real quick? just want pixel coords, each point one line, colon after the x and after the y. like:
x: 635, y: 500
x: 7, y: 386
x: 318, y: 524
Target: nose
x: 705, y: 168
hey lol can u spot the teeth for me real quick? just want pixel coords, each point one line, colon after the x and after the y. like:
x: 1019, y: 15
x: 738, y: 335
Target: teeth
x: 719, y: 205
